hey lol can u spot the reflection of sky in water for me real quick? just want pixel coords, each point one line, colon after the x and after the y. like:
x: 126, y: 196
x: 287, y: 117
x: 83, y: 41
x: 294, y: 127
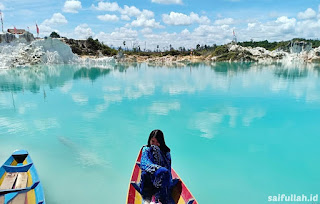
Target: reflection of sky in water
x: 245, y: 130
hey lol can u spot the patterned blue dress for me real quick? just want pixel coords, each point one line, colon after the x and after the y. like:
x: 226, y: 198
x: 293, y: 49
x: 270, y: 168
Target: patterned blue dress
x: 156, y: 178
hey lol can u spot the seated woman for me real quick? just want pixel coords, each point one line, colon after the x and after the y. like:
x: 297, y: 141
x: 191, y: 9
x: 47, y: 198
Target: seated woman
x: 156, y: 176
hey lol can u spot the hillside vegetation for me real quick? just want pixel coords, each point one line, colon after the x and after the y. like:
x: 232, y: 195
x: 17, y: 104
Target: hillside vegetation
x: 93, y: 47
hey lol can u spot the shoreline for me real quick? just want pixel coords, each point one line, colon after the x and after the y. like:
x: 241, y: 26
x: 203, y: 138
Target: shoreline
x: 56, y: 51
x: 162, y: 59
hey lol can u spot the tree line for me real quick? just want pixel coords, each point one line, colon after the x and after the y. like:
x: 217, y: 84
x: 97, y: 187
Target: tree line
x: 95, y: 45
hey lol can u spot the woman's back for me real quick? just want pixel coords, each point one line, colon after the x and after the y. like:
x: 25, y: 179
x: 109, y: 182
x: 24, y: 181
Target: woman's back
x: 153, y: 158
x: 156, y: 178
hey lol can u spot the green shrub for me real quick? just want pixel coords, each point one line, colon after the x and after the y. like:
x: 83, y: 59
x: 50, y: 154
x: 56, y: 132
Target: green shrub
x: 54, y: 35
x: 76, y: 49
x: 223, y: 49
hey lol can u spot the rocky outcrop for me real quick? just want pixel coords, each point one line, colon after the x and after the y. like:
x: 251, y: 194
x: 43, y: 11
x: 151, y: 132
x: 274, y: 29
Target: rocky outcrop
x: 7, y: 38
x: 239, y: 53
x: 19, y: 55
x: 258, y: 54
x: 47, y: 51
x: 56, y: 52
x: 26, y: 37
x: 89, y: 47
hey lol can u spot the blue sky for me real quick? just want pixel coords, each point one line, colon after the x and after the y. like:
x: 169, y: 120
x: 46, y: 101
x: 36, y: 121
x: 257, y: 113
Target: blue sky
x: 164, y: 22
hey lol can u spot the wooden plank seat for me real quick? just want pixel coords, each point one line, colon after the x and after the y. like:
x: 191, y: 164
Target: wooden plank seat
x: 16, y: 180
x: 22, y: 180
x: 8, y: 183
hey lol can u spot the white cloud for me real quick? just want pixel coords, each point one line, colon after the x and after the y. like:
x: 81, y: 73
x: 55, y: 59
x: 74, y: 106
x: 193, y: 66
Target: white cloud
x: 125, y: 18
x: 56, y: 19
x: 117, y: 37
x: 46, y: 30
x: 144, y: 22
x: 219, y: 32
x: 72, y: 6
x: 251, y: 25
x: 201, y: 20
x: 107, y: 6
x: 287, y: 24
x: 185, y: 32
x: 147, y: 13
x: 176, y: 19
x: 307, y: 14
x: 308, y: 28
x: 2, y: 7
x: 130, y: 11
x: 108, y: 17
x: 83, y: 31
x: 283, y: 28
x: 145, y: 19
x: 47, y: 26
x: 224, y: 21
x: 182, y: 19
x: 146, y: 30
x: 168, y: 1
x: 203, y: 34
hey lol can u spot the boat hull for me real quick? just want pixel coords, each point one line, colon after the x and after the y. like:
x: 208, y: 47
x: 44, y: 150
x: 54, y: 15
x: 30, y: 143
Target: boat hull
x: 180, y: 192
x: 19, y: 180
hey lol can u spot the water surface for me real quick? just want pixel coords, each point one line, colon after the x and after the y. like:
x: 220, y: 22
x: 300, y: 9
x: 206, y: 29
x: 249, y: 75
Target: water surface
x: 238, y: 132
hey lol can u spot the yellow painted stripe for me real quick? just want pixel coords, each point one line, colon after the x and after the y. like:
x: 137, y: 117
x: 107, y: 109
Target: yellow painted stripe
x: 31, y: 194
x: 2, y: 178
x: 139, y: 176
x: 14, y: 163
x: 29, y: 178
x: 138, y: 198
x: 181, y: 201
x: 25, y: 162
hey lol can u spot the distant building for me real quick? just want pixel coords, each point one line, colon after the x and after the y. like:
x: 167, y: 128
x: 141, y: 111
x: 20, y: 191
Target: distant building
x: 17, y: 31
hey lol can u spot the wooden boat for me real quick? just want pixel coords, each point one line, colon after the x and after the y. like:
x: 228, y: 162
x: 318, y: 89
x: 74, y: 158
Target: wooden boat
x: 180, y: 192
x: 19, y: 181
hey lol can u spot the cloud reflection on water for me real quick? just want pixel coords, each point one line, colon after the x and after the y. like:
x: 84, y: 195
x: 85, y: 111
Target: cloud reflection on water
x: 46, y: 124
x: 11, y: 126
x: 211, y: 123
x: 163, y: 108
x: 80, y: 98
x: 126, y: 82
x: 144, y: 82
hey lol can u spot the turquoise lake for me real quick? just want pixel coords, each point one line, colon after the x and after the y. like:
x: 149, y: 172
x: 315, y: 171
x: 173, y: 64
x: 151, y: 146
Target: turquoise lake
x: 238, y: 132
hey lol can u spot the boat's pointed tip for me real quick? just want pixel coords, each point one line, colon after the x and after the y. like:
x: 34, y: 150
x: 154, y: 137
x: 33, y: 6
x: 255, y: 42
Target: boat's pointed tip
x: 20, y: 152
